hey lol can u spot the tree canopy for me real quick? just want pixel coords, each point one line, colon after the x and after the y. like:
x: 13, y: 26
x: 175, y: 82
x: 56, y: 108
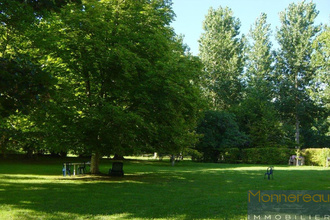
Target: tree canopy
x: 221, y: 52
x: 111, y: 77
x: 124, y: 81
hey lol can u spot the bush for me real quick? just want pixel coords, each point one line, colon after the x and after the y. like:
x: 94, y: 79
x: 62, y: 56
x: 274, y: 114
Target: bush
x: 269, y: 155
x: 316, y: 156
x: 230, y: 155
x: 195, y: 155
x: 218, y: 131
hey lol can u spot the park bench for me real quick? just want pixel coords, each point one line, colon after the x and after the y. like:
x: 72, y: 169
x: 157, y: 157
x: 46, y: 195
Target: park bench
x: 117, y: 169
x: 269, y: 172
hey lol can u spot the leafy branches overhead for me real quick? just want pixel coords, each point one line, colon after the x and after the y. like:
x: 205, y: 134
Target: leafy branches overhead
x: 22, y: 85
x: 126, y: 82
x: 100, y: 77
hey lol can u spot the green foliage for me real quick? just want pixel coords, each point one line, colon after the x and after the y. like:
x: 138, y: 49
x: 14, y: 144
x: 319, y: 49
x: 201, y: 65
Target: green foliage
x: 316, y: 133
x: 260, y: 59
x: 320, y: 91
x: 96, y: 76
x: 125, y: 83
x: 40, y: 6
x: 267, y: 155
x: 24, y: 88
x: 256, y: 113
x: 316, y: 157
x: 219, y: 131
x: 23, y: 85
x: 112, y: 77
x: 15, y: 17
x: 221, y: 51
x: 195, y: 154
x: 258, y: 118
x: 231, y: 155
x: 321, y: 62
x: 294, y: 70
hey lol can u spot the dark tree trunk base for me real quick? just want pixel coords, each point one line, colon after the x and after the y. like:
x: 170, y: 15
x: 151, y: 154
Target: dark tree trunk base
x: 118, y: 157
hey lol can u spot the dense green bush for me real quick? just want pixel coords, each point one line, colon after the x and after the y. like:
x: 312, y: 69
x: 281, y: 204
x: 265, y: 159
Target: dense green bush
x: 195, y: 154
x: 230, y: 155
x: 269, y: 155
x: 218, y: 131
x: 316, y: 156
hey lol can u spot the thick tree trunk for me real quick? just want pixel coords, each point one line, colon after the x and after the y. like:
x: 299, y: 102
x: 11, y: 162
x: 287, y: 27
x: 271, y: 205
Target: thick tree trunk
x: 95, y: 160
x: 173, y: 160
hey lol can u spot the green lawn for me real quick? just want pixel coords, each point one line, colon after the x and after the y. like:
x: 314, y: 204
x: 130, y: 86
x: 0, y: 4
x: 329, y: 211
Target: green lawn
x: 149, y: 190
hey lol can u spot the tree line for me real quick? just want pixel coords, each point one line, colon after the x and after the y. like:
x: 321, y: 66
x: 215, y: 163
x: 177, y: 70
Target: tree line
x: 279, y: 98
x: 112, y: 77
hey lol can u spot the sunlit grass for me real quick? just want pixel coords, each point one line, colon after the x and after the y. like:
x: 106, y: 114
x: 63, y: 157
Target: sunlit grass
x: 149, y: 190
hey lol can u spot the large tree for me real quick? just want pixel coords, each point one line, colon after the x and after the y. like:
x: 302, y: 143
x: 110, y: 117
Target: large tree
x: 294, y: 69
x: 321, y: 61
x: 260, y: 60
x: 218, y: 130
x: 124, y: 80
x: 23, y: 82
x: 221, y: 51
x: 320, y: 90
x: 256, y: 113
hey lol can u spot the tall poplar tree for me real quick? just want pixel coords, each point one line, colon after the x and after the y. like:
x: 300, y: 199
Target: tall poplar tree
x: 293, y: 68
x: 320, y: 91
x: 259, y: 65
x: 221, y: 51
x: 256, y: 113
x: 321, y: 61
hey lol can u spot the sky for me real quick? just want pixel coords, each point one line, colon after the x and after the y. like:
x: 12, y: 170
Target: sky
x: 190, y: 15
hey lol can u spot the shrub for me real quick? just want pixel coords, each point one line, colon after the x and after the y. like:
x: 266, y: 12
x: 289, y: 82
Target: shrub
x: 230, y: 155
x: 218, y: 131
x: 195, y: 155
x: 269, y: 155
x: 316, y: 156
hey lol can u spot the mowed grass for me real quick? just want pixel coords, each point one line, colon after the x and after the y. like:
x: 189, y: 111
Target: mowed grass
x: 149, y: 189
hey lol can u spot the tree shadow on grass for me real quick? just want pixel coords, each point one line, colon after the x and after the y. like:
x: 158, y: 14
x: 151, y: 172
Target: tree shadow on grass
x: 197, y: 193
x: 145, y: 196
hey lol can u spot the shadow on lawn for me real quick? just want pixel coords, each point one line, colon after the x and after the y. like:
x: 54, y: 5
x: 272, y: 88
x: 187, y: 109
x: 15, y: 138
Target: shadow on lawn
x: 199, y: 193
